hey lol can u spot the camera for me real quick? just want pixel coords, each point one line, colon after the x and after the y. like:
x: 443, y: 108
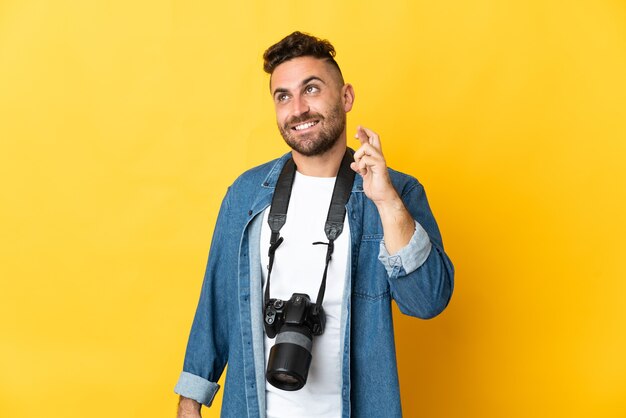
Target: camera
x: 293, y: 323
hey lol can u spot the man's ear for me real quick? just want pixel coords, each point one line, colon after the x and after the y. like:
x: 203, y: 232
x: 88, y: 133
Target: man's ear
x: 347, y: 97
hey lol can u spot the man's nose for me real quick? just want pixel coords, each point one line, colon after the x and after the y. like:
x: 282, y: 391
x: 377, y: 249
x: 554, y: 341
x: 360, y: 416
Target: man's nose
x: 300, y: 106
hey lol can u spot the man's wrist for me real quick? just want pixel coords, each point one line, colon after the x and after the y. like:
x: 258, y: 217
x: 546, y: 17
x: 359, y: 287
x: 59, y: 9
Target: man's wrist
x: 188, y: 408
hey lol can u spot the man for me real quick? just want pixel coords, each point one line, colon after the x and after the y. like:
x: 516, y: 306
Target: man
x: 390, y: 248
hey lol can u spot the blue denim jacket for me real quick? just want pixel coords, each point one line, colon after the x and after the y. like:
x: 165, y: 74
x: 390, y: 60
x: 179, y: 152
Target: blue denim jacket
x: 228, y: 327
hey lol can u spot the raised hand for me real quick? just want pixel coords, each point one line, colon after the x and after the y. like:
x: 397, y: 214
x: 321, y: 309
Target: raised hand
x: 369, y: 162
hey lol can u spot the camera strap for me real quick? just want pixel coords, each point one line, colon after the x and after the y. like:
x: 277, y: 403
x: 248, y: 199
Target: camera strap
x: 334, y: 220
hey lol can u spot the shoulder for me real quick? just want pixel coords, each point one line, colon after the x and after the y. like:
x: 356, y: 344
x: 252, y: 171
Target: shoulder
x: 404, y: 183
x: 263, y: 175
x: 256, y: 175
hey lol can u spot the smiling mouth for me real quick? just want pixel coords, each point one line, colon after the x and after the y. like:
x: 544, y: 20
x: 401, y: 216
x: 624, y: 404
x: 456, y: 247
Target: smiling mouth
x: 304, y: 126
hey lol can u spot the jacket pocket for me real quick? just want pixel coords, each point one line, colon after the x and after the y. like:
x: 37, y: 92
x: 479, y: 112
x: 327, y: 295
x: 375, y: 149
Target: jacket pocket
x: 370, y: 280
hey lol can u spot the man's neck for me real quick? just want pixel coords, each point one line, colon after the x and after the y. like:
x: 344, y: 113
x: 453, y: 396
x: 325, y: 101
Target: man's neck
x: 325, y: 165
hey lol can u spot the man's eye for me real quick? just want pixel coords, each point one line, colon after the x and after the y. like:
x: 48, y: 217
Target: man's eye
x: 282, y: 97
x: 311, y: 89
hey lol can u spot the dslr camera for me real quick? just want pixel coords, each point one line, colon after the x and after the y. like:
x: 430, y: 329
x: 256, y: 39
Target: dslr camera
x: 293, y: 323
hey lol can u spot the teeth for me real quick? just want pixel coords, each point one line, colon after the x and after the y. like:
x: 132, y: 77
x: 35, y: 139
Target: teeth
x: 304, y: 126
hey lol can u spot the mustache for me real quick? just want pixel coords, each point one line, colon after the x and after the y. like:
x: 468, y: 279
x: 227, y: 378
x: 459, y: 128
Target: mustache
x: 302, y: 118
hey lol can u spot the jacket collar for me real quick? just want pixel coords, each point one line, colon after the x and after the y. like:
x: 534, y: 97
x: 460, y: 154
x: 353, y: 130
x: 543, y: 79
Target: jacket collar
x: 272, y: 177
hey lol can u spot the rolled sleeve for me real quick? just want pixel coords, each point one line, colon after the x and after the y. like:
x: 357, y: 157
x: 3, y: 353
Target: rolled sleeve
x: 196, y: 388
x: 410, y: 257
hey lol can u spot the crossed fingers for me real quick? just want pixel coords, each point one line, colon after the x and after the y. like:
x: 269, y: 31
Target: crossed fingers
x: 369, y: 156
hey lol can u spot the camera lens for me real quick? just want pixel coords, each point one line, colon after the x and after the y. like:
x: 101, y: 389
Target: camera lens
x: 285, y: 379
x: 290, y: 358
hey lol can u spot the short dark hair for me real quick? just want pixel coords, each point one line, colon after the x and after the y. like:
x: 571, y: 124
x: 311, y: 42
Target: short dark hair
x: 297, y: 45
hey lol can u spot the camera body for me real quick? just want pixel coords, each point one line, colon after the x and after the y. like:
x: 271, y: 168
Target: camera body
x: 297, y: 311
x: 293, y: 323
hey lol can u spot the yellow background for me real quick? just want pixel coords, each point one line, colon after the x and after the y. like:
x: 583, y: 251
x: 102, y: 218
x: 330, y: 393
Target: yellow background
x: 123, y: 122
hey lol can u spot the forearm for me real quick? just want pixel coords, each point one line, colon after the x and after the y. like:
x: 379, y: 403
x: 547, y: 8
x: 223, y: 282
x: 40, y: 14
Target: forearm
x: 420, y: 275
x: 398, y: 224
x: 425, y: 292
x: 188, y: 408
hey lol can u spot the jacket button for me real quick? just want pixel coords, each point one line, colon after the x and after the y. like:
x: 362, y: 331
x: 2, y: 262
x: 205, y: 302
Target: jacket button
x: 249, y: 212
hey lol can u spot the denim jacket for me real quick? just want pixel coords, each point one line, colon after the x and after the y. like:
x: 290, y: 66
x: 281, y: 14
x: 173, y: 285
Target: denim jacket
x: 228, y: 327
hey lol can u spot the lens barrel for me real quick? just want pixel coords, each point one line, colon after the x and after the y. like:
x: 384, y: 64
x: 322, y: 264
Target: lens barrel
x: 290, y: 358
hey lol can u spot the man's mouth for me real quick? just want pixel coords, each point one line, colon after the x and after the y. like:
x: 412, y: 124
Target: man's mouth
x: 305, y: 125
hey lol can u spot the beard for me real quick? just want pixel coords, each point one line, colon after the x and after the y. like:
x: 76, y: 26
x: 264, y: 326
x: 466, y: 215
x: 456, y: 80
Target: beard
x: 311, y: 144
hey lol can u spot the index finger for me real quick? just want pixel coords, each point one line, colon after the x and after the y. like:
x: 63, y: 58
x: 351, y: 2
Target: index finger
x: 372, y: 137
x: 361, y: 135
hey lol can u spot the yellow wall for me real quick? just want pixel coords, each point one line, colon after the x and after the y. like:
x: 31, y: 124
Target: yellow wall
x: 122, y: 123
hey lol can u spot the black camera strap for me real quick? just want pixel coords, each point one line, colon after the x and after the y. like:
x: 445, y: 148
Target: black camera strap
x: 334, y: 221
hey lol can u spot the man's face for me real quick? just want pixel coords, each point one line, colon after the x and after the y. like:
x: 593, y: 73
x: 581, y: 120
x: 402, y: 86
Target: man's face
x: 311, y: 104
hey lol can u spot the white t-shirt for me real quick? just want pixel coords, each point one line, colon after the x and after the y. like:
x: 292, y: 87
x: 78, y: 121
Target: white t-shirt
x: 298, y: 268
